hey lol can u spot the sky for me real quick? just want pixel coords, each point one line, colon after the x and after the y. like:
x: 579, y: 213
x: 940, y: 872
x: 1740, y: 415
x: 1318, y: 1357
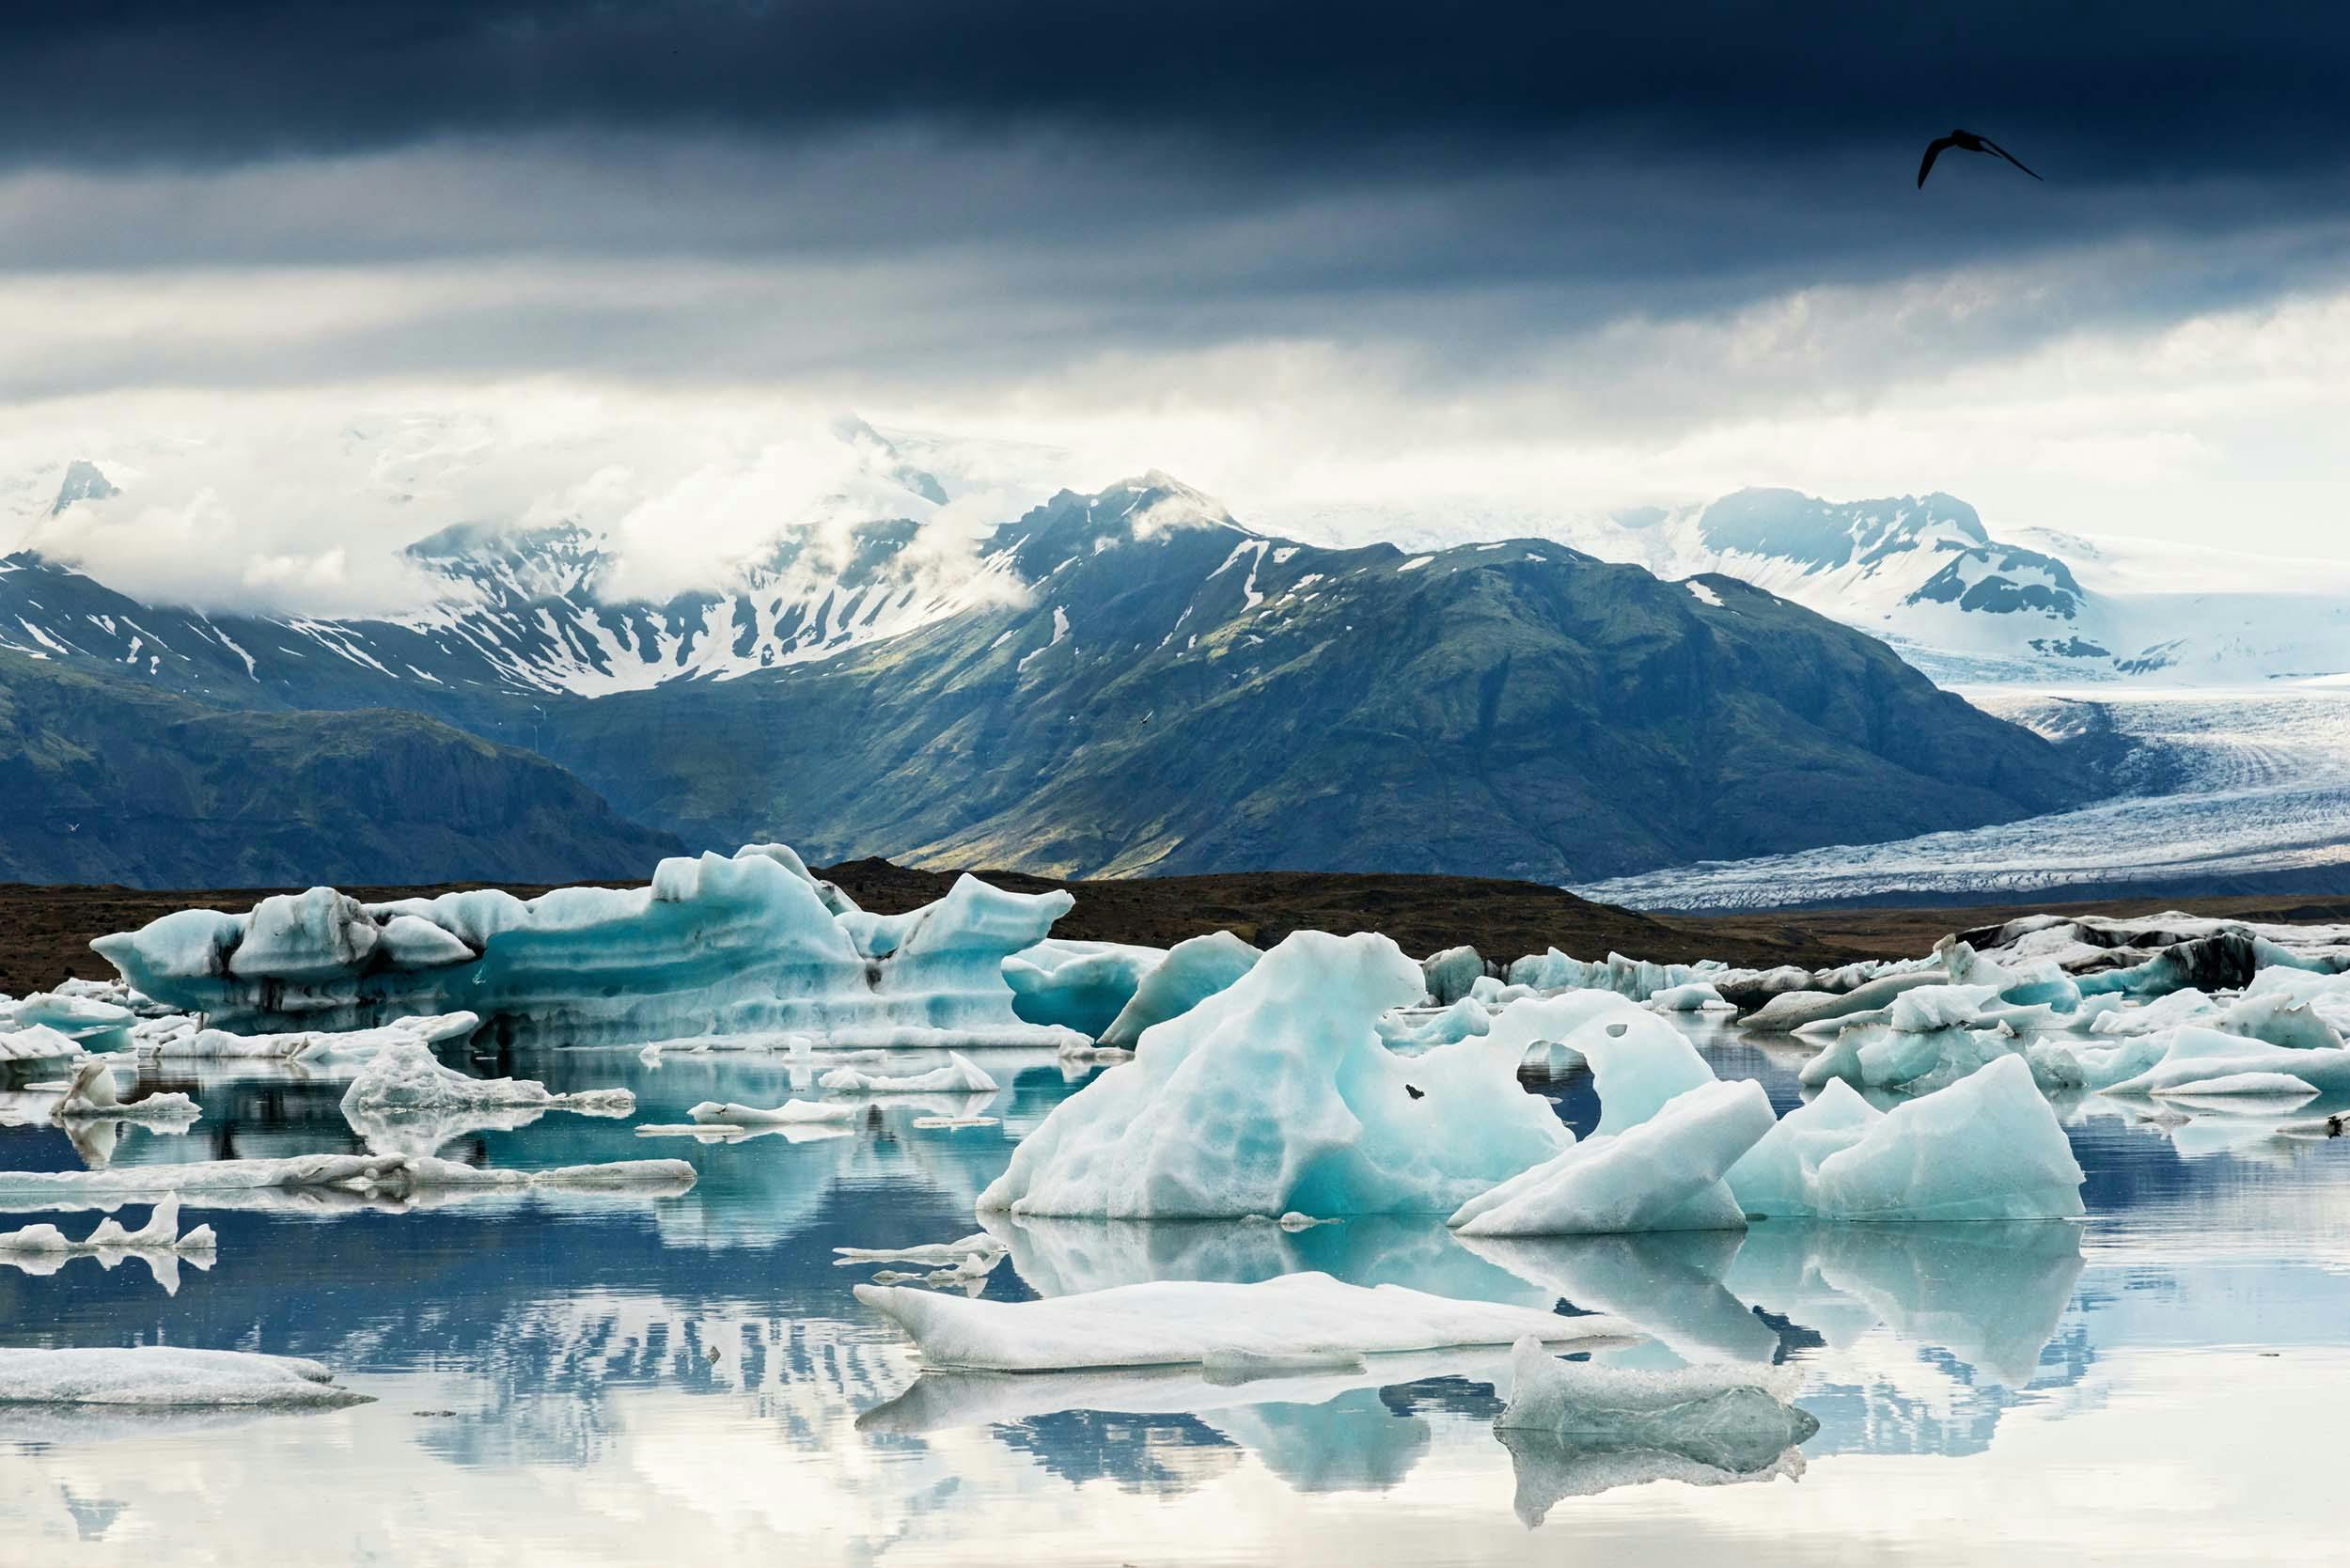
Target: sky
x: 310, y: 280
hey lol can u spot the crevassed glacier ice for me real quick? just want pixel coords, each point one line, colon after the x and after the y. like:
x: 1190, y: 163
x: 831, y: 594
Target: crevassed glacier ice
x: 1276, y: 1094
x: 1178, y: 1323
x: 714, y: 945
x: 1987, y: 1147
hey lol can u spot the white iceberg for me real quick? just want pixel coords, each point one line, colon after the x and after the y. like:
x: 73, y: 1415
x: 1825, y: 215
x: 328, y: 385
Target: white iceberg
x: 1693, y: 997
x: 76, y: 1016
x: 791, y: 1111
x: 2257, y: 1085
x: 38, y: 1042
x: 1277, y: 1095
x: 308, y: 1044
x: 91, y: 1092
x: 392, y: 1177
x: 162, y: 1377
x: 2191, y: 1054
x: 1180, y: 1322
x: 928, y: 1254
x: 1662, y: 1174
x: 1576, y: 1430
x: 1193, y: 971
x: 749, y: 944
x: 1988, y: 1147
x: 960, y: 1075
x: 408, y: 1078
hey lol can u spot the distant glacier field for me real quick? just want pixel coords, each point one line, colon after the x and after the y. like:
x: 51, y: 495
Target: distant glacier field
x: 2223, y: 788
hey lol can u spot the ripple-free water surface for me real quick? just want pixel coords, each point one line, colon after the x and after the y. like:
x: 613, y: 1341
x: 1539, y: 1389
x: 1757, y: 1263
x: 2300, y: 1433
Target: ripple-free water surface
x: 592, y: 1381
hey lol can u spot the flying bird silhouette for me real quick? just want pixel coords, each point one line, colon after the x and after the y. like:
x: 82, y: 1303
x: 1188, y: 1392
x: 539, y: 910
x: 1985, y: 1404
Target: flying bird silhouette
x: 1965, y: 141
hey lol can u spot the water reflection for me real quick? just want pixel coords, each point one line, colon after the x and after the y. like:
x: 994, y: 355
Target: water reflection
x: 698, y: 1366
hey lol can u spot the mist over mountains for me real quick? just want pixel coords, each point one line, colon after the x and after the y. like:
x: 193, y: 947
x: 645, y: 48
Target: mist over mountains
x: 1121, y: 681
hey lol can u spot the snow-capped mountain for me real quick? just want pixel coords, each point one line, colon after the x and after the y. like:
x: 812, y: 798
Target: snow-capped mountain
x: 1966, y: 606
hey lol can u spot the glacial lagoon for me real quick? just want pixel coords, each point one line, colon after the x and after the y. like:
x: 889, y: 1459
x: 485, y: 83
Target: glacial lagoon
x: 582, y: 1379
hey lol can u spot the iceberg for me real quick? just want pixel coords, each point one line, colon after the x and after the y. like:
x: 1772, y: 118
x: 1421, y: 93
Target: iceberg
x: 1988, y: 1147
x: 1575, y: 1430
x: 1077, y: 985
x: 1276, y: 1094
x: 715, y: 945
x: 928, y: 1254
x: 2192, y: 1054
x: 1193, y: 971
x: 1636, y: 979
x: 960, y: 1075
x: 1728, y: 1417
x: 2258, y: 1086
x: 38, y: 1043
x: 1662, y: 1174
x: 404, y: 1101
x: 163, y: 1377
x: 83, y: 1018
x: 308, y: 1044
x: 1183, y: 1323
x: 1792, y: 1010
x: 1450, y: 973
x: 711, y: 1112
x: 92, y: 1094
x: 1695, y: 996
x: 389, y: 1177
x: 1417, y: 1029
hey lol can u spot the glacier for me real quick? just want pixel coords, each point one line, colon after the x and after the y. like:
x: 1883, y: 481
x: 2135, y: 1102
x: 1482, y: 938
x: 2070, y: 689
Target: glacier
x: 712, y: 946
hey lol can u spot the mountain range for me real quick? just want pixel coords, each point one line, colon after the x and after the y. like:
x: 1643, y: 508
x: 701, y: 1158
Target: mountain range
x: 1924, y: 574
x: 1124, y: 682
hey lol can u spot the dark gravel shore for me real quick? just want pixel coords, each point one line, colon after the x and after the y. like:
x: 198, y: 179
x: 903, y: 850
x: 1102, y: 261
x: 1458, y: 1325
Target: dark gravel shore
x: 45, y: 931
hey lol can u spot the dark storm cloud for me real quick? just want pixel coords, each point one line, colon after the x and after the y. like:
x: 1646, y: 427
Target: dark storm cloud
x: 2100, y: 91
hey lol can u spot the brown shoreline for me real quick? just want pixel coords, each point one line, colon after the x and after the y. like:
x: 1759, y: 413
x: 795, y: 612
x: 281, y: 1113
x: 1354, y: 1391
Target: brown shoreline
x: 45, y: 931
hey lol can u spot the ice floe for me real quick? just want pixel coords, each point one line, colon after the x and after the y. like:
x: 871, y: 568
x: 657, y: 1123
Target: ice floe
x: 1178, y: 1323
x: 790, y: 1111
x: 238, y: 1184
x: 1987, y: 1147
x: 1276, y: 1094
x: 164, y: 1377
x: 715, y: 945
x: 960, y: 1075
x: 92, y: 1094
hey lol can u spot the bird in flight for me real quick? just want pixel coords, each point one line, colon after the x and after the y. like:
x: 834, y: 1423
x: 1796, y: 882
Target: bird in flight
x: 1965, y: 141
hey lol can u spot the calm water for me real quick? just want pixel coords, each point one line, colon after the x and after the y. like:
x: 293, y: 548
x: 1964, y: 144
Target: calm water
x: 689, y: 1379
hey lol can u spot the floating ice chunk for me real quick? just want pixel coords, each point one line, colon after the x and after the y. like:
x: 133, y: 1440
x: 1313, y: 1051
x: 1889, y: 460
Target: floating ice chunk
x: 1078, y: 985
x: 710, y: 1111
x: 1574, y: 1429
x: 407, y: 1078
x: 1178, y: 1323
x: 1988, y: 1147
x: 38, y: 1043
x: 76, y: 1017
x: 311, y: 1044
x: 159, y: 1377
x: 1792, y: 1010
x: 2059, y: 1065
x: 392, y: 1177
x: 938, y: 1123
x: 1451, y: 973
x: 1634, y: 979
x: 2193, y: 1053
x: 716, y: 944
x: 928, y: 1254
x: 1731, y: 1417
x: 960, y: 1075
x: 1696, y: 997
x: 1194, y: 970
x: 2259, y: 1086
x: 92, y: 1093
x: 1661, y: 1174
x: 1277, y: 1095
